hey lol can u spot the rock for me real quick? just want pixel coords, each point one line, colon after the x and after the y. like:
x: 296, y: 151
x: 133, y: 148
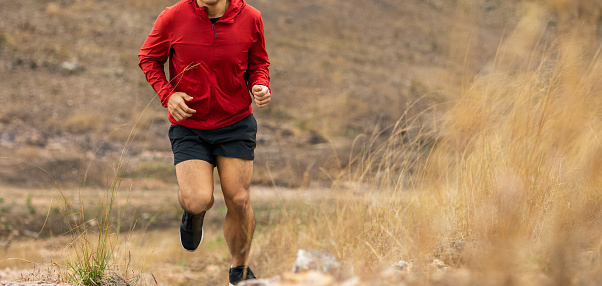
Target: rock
x: 314, y: 260
x: 71, y: 67
x: 261, y: 282
x: 316, y: 138
x: 36, y: 138
x: 451, y: 253
x: 307, y: 278
x: 402, y: 265
x: 353, y: 281
x: 310, y: 278
x: 439, y: 265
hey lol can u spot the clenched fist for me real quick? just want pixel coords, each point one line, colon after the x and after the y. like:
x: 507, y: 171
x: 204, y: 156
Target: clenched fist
x: 261, y: 94
x: 177, y: 106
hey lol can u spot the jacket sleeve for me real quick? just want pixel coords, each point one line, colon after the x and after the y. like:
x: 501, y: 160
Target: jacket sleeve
x: 258, y: 60
x: 153, y: 55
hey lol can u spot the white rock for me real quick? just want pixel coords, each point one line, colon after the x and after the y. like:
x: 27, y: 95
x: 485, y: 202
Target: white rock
x: 314, y: 260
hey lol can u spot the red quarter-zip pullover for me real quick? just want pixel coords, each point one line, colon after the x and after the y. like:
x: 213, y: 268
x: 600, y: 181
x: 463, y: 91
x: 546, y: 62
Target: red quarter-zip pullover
x: 216, y: 64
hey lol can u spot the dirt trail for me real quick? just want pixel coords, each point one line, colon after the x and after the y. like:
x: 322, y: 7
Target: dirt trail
x: 152, y: 249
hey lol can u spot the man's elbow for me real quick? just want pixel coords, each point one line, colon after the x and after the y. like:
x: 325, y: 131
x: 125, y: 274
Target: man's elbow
x: 147, y: 63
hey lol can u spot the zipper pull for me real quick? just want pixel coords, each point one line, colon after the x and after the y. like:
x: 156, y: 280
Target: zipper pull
x: 214, y: 32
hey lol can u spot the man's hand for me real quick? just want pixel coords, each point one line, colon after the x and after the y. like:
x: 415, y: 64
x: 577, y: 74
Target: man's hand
x: 177, y: 106
x: 261, y: 93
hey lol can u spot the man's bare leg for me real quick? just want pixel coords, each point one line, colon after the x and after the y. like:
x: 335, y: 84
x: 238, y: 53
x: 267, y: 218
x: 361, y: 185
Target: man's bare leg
x: 235, y: 175
x: 195, y: 178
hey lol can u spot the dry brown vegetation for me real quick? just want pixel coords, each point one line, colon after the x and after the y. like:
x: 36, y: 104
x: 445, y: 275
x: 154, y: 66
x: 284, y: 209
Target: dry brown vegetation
x: 463, y: 136
x: 505, y: 184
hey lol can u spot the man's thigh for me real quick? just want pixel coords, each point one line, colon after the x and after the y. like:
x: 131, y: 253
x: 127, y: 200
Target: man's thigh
x: 235, y: 175
x: 195, y: 177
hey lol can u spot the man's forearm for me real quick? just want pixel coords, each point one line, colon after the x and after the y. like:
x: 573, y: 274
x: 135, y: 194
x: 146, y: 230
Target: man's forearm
x: 155, y: 75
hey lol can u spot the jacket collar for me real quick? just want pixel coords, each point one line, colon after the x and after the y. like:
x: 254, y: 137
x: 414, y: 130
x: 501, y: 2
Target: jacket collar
x: 233, y: 10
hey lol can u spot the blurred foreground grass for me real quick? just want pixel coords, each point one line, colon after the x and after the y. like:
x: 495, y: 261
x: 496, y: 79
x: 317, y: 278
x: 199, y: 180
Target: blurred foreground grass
x: 511, y: 173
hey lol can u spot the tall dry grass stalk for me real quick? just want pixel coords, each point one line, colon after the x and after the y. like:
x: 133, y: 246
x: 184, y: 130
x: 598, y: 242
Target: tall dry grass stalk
x: 512, y: 173
x: 94, y: 252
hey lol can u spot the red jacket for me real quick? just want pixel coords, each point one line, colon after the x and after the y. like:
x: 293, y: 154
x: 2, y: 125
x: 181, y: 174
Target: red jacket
x: 216, y: 64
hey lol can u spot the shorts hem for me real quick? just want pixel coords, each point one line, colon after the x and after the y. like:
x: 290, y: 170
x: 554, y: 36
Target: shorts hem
x: 189, y: 159
x: 235, y: 156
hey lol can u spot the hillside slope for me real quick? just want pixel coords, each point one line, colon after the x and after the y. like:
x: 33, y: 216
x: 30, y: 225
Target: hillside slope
x: 72, y: 88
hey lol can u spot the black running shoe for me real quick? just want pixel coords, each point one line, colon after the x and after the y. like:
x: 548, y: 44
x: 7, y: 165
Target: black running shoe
x: 236, y: 274
x: 191, y: 230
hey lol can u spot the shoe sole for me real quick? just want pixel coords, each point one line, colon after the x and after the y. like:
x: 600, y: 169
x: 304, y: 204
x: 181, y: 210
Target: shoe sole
x: 202, y: 235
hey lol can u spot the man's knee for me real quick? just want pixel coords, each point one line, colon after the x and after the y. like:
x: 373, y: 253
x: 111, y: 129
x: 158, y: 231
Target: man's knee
x: 239, y: 203
x: 195, y: 202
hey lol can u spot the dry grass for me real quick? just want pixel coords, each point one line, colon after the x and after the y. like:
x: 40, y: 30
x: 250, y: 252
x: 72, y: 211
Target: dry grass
x: 512, y: 169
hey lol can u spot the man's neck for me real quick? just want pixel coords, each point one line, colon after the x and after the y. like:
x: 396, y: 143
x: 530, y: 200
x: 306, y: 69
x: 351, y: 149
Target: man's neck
x: 215, y: 10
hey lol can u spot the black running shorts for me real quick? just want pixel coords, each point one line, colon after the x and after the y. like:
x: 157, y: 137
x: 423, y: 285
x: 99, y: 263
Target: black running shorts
x: 236, y: 141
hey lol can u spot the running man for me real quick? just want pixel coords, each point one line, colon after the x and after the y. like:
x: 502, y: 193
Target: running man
x: 217, y: 58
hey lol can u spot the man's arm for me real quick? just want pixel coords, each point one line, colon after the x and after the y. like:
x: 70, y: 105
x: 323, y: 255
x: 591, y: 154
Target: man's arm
x: 154, y: 54
x: 259, y: 75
